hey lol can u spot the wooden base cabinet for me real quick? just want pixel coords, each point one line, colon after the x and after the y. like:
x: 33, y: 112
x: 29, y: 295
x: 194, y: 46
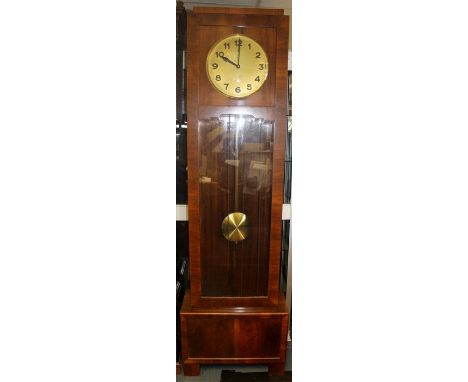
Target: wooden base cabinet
x: 233, y: 336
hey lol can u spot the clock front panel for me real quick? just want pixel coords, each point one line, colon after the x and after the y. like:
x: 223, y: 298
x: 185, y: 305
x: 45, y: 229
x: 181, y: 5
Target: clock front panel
x: 235, y: 174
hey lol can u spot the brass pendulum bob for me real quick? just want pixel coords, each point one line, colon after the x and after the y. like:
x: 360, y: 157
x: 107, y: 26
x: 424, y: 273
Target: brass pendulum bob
x: 234, y: 226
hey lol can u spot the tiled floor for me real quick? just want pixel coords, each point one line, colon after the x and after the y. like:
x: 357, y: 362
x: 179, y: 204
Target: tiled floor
x: 212, y: 373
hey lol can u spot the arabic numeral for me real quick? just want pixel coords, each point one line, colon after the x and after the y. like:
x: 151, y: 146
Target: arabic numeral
x: 261, y: 66
x: 257, y: 79
x: 250, y: 45
x: 226, y: 85
x: 218, y: 77
x: 219, y: 54
x: 238, y: 90
x: 257, y: 55
x: 249, y: 86
x: 227, y: 46
x: 215, y: 66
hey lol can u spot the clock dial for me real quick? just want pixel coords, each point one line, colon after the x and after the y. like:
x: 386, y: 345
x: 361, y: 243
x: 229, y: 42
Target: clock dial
x: 237, y: 66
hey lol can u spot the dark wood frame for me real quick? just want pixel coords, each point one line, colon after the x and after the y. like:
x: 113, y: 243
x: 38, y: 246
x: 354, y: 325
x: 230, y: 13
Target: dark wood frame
x: 270, y: 102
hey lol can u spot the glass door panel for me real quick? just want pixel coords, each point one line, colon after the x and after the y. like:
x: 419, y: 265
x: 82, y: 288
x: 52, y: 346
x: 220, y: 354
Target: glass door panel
x: 235, y: 180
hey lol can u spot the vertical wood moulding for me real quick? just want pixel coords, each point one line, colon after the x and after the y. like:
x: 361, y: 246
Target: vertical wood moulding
x: 192, y: 153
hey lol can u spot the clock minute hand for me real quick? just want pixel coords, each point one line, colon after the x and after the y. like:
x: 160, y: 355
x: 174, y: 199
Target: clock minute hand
x: 228, y: 60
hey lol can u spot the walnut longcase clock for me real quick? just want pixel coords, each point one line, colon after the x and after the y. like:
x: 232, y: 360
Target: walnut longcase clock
x: 236, y: 106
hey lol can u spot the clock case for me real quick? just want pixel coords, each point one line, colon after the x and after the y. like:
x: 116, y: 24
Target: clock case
x: 240, y: 324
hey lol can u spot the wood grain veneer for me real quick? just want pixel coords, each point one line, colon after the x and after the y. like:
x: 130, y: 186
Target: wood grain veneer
x: 231, y: 335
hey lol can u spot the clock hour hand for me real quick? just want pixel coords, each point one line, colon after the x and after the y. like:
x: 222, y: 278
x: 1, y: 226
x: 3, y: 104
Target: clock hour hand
x: 232, y: 63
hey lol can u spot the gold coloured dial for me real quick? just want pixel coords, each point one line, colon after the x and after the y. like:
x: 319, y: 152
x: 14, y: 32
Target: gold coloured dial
x: 237, y: 66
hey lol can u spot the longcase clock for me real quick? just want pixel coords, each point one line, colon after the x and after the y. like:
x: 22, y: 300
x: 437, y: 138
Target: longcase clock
x: 236, y: 107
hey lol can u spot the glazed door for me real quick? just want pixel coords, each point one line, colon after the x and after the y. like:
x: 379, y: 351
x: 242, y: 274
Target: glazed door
x: 235, y: 178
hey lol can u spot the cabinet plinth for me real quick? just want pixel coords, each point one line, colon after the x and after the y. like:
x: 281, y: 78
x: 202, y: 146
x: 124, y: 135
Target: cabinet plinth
x: 233, y: 336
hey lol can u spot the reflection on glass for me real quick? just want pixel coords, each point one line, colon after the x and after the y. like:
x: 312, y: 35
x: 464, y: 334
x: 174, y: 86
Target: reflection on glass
x: 235, y: 162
